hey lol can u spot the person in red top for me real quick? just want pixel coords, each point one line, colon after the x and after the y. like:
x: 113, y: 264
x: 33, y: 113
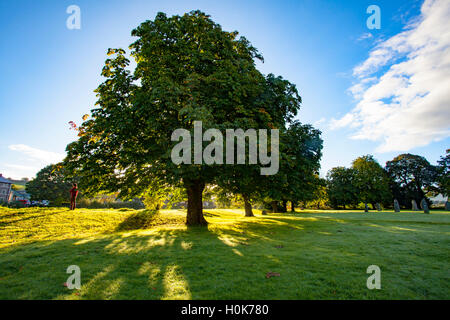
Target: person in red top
x: 73, y: 196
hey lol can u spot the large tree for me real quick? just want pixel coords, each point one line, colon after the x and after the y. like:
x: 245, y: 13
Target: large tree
x: 187, y: 69
x: 281, y: 103
x: 414, y: 176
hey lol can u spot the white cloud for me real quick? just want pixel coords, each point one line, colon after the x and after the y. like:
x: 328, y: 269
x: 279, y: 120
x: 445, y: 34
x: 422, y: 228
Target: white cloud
x: 365, y: 36
x: 319, y: 122
x: 20, y: 167
x: 37, y: 154
x: 407, y: 103
x: 34, y: 160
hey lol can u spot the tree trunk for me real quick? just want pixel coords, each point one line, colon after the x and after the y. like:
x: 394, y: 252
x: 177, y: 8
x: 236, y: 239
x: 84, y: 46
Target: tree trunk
x: 293, y: 206
x: 194, y: 190
x: 274, y: 206
x: 284, y: 203
x: 247, y: 206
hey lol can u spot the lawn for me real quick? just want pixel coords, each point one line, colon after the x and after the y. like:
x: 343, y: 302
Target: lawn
x: 317, y: 254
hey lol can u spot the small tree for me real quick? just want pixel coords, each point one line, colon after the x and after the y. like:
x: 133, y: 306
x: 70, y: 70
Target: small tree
x: 50, y: 184
x: 443, y: 178
x: 320, y: 196
x: 300, y: 154
x: 370, y: 181
x: 341, y: 187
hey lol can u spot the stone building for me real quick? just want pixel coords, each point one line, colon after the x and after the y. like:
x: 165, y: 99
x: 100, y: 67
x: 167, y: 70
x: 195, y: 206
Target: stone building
x: 5, y: 189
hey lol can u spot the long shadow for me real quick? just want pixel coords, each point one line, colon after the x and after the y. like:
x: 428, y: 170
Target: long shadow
x: 214, y: 262
x: 30, y: 216
x: 154, y: 265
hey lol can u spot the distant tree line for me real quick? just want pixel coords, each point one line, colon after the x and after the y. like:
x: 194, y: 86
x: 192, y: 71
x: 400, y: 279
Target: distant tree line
x: 407, y: 177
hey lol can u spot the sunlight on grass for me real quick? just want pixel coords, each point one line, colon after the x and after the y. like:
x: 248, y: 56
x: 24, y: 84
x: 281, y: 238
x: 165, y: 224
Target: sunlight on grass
x: 135, y: 255
x: 175, y: 286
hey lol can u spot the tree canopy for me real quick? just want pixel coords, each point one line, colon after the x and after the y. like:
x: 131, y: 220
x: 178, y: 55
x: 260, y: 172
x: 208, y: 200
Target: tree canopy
x: 341, y: 187
x: 414, y: 176
x: 370, y: 181
x: 187, y: 69
x: 50, y: 184
x: 443, y: 180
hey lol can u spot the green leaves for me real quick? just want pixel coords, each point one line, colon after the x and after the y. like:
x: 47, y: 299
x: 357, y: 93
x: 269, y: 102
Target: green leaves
x: 50, y: 184
x: 370, y: 181
x: 187, y: 69
x: 412, y: 176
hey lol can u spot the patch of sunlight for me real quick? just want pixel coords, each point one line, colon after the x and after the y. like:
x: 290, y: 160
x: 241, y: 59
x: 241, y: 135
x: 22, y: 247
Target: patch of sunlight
x: 186, y: 245
x: 274, y: 259
x: 101, y: 275
x: 112, y: 288
x: 97, y: 283
x: 84, y: 241
x: 405, y: 229
x: 137, y: 244
x: 333, y: 219
x: 227, y: 240
x: 119, y: 245
x: 160, y: 242
x: 148, y: 232
x: 154, y: 276
x: 175, y: 285
x: 236, y: 251
x: 145, y: 268
x: 292, y: 217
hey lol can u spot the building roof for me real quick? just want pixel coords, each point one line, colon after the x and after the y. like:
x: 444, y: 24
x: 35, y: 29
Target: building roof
x: 4, y: 180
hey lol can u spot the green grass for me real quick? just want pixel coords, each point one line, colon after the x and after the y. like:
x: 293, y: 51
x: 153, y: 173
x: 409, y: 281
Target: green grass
x: 318, y: 254
x: 19, y: 186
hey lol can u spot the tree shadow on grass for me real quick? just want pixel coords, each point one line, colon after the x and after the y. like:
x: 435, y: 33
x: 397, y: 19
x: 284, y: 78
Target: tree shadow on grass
x: 214, y: 262
x: 149, y: 266
x: 147, y: 219
x: 22, y: 218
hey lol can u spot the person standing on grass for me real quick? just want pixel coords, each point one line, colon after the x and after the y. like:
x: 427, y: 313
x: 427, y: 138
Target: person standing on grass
x: 73, y: 196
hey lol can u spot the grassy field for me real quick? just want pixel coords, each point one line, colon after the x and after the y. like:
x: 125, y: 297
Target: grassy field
x: 317, y: 254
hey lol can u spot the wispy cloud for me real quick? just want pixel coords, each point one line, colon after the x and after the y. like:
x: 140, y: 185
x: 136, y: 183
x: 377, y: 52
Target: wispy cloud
x: 20, y: 167
x: 319, y: 122
x: 37, y: 154
x: 365, y: 36
x: 34, y: 160
x: 402, y: 88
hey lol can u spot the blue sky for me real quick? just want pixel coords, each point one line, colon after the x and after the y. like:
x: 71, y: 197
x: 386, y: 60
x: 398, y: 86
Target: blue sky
x: 49, y: 72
